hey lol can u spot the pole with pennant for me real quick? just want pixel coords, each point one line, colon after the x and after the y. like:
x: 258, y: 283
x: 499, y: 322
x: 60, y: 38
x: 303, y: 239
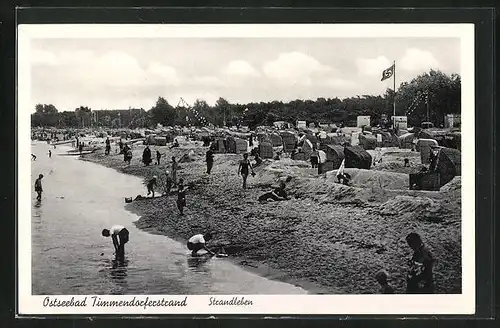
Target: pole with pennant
x: 386, y: 74
x: 394, y: 87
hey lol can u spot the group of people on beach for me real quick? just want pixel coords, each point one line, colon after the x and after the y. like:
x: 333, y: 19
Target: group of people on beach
x: 419, y: 278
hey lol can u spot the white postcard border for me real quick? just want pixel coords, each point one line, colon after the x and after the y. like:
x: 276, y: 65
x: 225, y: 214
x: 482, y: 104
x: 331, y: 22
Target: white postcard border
x: 464, y: 303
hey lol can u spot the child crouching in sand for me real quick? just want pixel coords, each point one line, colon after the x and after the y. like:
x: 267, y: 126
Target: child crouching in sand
x: 385, y: 288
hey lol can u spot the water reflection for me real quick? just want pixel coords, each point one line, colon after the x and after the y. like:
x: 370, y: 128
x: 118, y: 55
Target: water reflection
x: 118, y: 271
x: 199, y: 263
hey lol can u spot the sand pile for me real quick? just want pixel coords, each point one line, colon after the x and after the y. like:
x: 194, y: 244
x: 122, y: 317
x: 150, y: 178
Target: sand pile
x: 398, y: 167
x: 408, y: 204
x: 323, y: 190
x: 270, y: 171
x: 374, y: 179
x: 454, y: 185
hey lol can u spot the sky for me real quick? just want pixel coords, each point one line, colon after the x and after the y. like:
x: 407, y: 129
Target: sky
x: 121, y: 73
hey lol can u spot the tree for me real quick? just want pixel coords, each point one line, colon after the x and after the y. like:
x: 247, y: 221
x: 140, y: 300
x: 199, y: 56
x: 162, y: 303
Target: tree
x: 202, y: 113
x: 222, y: 112
x: 442, y: 91
x: 45, y: 115
x: 83, y: 114
x: 45, y: 109
x: 162, y: 112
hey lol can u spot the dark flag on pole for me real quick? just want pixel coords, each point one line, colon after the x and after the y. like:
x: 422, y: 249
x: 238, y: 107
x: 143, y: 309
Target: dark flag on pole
x: 387, y: 73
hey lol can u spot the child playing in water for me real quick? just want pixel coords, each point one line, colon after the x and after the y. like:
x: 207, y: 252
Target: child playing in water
x: 38, y: 187
x: 198, y: 242
x: 120, y: 236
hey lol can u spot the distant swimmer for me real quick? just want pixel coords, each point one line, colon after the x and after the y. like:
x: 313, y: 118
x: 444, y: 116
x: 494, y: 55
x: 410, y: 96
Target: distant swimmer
x: 151, y: 186
x: 50, y: 154
x: 33, y: 157
x: 120, y: 236
x: 38, y: 187
x: 198, y: 242
x: 243, y: 169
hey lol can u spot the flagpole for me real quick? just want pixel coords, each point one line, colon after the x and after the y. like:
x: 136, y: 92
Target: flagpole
x: 394, y: 88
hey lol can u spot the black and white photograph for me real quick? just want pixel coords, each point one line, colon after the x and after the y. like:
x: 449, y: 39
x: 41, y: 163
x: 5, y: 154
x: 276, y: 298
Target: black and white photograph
x: 246, y: 169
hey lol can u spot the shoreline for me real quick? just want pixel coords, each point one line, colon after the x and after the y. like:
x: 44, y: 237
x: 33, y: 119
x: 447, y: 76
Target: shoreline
x: 353, y: 228
x: 257, y: 267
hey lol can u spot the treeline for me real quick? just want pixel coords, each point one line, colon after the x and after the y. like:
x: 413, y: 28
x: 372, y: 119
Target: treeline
x: 443, y: 93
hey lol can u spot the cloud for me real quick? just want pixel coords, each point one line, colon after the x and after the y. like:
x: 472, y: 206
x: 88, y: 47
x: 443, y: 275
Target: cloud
x: 112, y: 69
x: 418, y: 60
x: 206, y: 81
x: 240, y: 68
x: 372, y: 66
x: 338, y: 83
x: 295, y: 68
x: 42, y: 57
x: 167, y: 73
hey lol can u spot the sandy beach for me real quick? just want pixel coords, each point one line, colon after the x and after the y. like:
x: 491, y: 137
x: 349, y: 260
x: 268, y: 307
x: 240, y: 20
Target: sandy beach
x: 360, y: 229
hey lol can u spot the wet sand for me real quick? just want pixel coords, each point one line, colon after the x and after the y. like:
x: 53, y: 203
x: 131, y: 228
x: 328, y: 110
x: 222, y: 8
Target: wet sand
x: 328, y: 239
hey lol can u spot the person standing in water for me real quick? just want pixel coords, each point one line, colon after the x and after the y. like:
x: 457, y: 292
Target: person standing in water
x: 120, y: 236
x: 38, y: 187
x: 174, y: 171
x: 50, y: 154
x: 243, y: 169
x: 210, y: 160
x: 198, y: 242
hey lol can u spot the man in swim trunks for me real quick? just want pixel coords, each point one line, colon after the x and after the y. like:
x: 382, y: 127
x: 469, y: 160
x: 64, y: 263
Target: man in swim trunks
x: 198, y: 242
x: 243, y: 169
x: 120, y: 236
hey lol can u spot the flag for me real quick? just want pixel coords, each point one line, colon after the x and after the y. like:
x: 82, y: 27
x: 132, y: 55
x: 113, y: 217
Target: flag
x: 387, y: 73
